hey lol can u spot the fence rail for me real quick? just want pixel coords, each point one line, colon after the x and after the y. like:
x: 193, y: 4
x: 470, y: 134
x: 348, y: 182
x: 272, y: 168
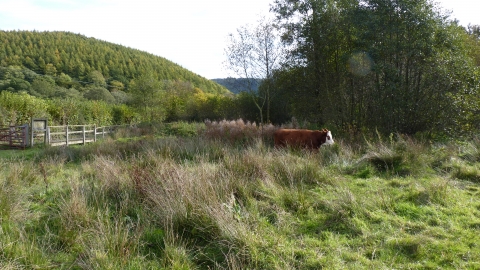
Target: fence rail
x: 40, y: 132
x: 76, y: 134
x: 18, y: 136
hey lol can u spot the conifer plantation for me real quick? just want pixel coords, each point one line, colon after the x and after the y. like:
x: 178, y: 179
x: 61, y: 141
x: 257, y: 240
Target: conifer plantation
x: 71, y: 79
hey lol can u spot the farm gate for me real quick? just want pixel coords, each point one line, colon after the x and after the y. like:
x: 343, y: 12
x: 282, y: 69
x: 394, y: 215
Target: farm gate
x: 40, y: 132
x: 14, y: 137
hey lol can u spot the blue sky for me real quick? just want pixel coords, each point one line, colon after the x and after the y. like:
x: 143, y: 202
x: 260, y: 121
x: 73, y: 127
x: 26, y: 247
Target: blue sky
x: 191, y: 33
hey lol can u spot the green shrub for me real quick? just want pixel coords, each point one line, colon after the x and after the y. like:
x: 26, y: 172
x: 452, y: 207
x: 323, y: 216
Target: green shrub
x: 183, y: 129
x: 19, y: 108
x: 401, y: 156
x: 470, y: 151
x: 466, y: 172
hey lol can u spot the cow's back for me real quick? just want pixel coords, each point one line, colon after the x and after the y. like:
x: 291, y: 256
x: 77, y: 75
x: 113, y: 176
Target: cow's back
x: 293, y: 137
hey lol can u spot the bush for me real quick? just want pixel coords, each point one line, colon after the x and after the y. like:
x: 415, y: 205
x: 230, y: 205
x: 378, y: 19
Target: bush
x: 19, y: 108
x: 400, y: 156
x: 99, y: 93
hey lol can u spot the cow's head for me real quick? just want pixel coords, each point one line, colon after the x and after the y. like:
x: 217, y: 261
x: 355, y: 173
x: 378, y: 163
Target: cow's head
x: 326, y: 137
x: 329, y: 138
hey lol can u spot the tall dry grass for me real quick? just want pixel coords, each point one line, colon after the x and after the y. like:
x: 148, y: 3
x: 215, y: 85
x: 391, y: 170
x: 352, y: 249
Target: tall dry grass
x: 203, y: 202
x: 237, y: 130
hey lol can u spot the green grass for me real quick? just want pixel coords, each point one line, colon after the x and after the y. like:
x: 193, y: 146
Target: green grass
x: 189, y: 202
x: 13, y: 154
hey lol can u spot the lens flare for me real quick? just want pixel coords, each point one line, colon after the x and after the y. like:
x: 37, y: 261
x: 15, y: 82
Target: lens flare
x: 360, y: 64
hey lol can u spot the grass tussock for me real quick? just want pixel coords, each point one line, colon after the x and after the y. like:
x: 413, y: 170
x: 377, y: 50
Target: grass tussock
x: 397, y: 156
x: 209, y: 201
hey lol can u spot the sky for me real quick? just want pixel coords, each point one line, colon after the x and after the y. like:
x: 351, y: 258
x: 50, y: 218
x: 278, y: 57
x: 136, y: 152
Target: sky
x: 191, y: 33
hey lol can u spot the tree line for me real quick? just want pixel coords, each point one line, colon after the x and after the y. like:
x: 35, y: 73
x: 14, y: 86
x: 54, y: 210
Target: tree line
x: 147, y: 100
x: 350, y: 65
x: 73, y: 57
x: 72, y: 79
x: 355, y: 65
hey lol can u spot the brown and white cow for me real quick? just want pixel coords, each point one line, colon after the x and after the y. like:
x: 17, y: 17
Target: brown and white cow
x: 304, y: 138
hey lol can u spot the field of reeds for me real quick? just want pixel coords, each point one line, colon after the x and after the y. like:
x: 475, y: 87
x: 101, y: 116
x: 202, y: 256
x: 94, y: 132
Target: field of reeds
x: 220, y: 196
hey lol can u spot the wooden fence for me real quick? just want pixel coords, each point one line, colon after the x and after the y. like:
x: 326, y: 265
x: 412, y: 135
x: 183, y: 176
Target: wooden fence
x: 21, y: 137
x: 74, y: 134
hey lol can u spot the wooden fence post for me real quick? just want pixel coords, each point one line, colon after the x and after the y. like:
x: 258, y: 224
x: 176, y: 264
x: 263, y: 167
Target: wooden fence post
x: 66, y: 134
x: 83, y: 132
x: 10, y: 135
x: 31, y: 135
x: 26, y: 137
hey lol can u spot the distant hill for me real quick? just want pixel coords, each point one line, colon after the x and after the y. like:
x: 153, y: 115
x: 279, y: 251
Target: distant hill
x: 77, y: 56
x: 237, y: 85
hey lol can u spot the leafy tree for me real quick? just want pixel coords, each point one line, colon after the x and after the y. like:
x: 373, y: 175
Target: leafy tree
x: 96, y: 78
x: 71, y: 93
x: 174, y: 108
x: 121, y: 97
x: 415, y: 71
x: 64, y: 111
x: 246, y: 106
x: 99, y: 93
x: 115, y: 85
x: 63, y: 80
x: 11, y: 72
x: 98, y: 112
x: 253, y: 54
x: 474, y: 43
x: 29, y: 75
x: 17, y: 85
x: 318, y: 36
x: 389, y: 65
x: 147, y: 93
x: 19, y: 108
x: 123, y: 114
x: 50, y: 70
x: 13, y: 79
x: 43, y: 86
x: 287, y: 95
x: 177, y: 94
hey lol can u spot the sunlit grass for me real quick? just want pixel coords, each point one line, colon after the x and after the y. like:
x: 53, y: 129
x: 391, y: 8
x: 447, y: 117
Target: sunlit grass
x: 196, y: 202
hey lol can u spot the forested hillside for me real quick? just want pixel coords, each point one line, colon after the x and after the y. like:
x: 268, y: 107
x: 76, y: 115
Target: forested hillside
x: 237, y: 85
x: 71, y: 79
x: 352, y: 66
x: 55, y: 53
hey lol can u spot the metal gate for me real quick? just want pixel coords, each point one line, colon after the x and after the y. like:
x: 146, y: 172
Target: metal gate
x: 14, y: 136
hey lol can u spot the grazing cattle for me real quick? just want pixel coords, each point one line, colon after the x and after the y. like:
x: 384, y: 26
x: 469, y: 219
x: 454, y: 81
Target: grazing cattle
x: 311, y: 139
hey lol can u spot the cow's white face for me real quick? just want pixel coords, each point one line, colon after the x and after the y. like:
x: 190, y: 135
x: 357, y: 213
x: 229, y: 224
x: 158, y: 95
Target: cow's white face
x: 329, y: 139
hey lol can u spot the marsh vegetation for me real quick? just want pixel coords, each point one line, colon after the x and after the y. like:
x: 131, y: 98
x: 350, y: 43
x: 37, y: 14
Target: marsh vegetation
x: 178, y: 197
